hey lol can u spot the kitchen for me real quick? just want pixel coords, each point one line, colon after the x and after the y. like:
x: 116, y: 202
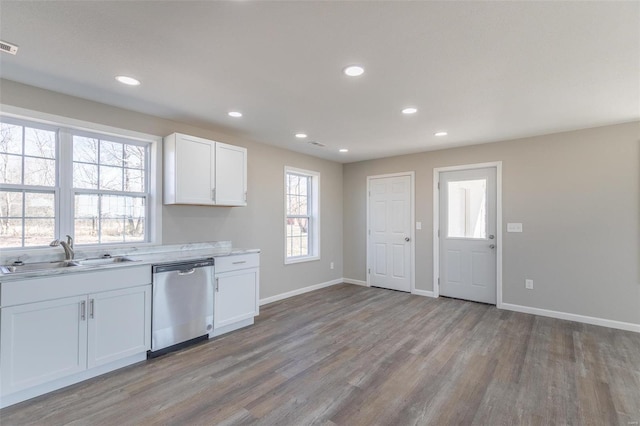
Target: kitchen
x: 324, y: 344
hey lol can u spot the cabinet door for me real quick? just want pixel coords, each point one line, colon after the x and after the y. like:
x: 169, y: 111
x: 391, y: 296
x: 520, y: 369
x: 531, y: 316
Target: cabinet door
x: 195, y: 162
x: 235, y: 297
x: 119, y: 324
x: 42, y: 342
x: 231, y: 175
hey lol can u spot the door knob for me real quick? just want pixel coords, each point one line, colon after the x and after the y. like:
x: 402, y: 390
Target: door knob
x: 492, y: 246
x: 491, y: 237
x: 407, y: 239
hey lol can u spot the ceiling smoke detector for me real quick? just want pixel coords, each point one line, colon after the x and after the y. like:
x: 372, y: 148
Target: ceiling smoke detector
x: 318, y: 144
x: 8, y: 47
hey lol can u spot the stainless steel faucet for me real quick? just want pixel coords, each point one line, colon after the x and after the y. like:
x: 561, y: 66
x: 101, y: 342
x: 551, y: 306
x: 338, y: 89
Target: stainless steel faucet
x: 67, y: 246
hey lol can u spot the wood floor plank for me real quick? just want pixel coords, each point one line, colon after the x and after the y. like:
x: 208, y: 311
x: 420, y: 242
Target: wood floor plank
x: 351, y: 355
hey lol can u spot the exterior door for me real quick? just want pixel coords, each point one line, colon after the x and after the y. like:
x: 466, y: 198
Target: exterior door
x: 468, y: 234
x: 390, y: 245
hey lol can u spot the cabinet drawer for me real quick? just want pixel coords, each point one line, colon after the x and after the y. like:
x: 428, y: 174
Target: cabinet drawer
x: 240, y: 261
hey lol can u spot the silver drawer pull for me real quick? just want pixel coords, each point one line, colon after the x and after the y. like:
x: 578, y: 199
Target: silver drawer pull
x: 187, y: 271
x: 239, y: 262
x: 83, y: 310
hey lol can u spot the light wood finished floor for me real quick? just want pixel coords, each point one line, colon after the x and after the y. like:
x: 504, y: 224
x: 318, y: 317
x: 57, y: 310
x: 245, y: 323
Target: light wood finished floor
x: 350, y: 355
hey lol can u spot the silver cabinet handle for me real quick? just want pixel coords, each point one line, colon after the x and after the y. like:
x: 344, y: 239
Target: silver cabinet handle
x: 217, y: 284
x: 187, y: 271
x: 240, y: 262
x: 83, y: 310
x: 92, y: 308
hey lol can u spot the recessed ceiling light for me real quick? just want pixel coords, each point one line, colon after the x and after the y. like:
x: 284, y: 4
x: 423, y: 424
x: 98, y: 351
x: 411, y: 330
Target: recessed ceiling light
x: 410, y: 110
x: 441, y: 134
x: 354, y: 70
x: 301, y: 135
x: 343, y: 150
x: 235, y: 114
x: 128, y: 80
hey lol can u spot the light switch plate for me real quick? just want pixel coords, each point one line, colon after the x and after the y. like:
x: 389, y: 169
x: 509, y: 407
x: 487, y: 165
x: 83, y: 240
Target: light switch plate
x: 418, y: 225
x: 514, y: 227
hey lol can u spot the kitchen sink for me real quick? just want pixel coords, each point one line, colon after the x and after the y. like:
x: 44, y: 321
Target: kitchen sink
x: 37, y: 266
x: 103, y: 261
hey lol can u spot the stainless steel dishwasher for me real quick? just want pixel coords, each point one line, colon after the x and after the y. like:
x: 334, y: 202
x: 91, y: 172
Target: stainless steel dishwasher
x: 182, y: 309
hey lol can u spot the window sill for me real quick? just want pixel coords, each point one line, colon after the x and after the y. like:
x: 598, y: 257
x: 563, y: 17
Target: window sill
x: 294, y: 260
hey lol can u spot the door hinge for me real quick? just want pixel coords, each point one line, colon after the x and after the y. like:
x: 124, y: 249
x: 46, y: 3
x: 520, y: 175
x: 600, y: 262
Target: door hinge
x: 369, y: 271
x: 438, y: 233
x: 438, y: 280
x: 369, y: 231
x: 438, y: 185
x: 369, y: 193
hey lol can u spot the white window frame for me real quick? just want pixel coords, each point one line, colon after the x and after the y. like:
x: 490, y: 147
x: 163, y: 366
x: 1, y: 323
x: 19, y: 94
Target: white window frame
x: 314, y: 226
x: 64, y: 198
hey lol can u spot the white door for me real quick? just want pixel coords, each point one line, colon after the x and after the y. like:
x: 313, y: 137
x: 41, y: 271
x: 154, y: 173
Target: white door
x: 235, y: 297
x: 42, y: 342
x: 468, y: 234
x: 390, y: 217
x: 119, y: 324
x: 195, y: 160
x: 231, y: 175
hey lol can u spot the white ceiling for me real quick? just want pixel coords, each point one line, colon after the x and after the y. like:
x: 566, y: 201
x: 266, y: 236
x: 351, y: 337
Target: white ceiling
x: 483, y: 71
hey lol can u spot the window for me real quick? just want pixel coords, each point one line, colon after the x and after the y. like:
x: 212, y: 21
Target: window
x: 302, y: 221
x: 109, y: 186
x: 56, y: 181
x: 467, y: 209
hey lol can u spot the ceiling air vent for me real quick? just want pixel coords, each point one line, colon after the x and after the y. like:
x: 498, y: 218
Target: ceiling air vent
x: 318, y: 144
x: 8, y: 47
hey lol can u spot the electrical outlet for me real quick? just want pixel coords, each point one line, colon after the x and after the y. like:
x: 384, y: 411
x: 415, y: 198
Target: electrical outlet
x: 528, y: 284
x: 331, y: 265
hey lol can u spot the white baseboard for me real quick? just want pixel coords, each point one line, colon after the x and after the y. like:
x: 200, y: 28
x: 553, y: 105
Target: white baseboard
x: 296, y: 292
x: 356, y: 282
x: 628, y: 326
x: 426, y: 293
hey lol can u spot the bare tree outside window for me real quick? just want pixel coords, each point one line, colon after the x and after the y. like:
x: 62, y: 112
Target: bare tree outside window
x: 110, y: 191
x: 27, y: 185
x: 298, y: 215
x: 108, y: 186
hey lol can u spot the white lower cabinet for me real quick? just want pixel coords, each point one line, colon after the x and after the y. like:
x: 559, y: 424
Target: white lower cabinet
x: 237, y: 292
x: 119, y: 324
x: 48, y: 340
x: 235, y: 298
x: 42, y: 342
x: 49, y: 344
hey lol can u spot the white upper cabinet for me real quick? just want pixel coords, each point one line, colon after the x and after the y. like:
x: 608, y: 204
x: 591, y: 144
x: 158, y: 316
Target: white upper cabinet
x: 231, y: 175
x: 204, y: 172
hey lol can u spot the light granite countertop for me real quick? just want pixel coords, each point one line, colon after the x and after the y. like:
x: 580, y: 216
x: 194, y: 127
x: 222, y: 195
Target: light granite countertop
x: 143, y: 255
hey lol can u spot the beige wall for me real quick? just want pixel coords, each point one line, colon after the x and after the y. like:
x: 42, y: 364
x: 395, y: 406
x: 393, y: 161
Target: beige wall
x: 578, y: 197
x: 259, y: 225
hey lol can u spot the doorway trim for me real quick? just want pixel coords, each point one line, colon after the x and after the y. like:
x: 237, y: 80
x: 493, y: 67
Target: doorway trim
x: 436, y: 223
x: 412, y: 259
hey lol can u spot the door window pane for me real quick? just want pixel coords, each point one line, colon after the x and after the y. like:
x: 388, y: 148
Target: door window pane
x: 467, y: 209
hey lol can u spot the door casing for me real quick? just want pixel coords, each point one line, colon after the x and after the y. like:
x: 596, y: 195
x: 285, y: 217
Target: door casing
x: 412, y: 268
x: 436, y: 223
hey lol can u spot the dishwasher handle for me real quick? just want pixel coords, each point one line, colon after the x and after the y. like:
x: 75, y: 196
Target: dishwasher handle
x: 183, y: 268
